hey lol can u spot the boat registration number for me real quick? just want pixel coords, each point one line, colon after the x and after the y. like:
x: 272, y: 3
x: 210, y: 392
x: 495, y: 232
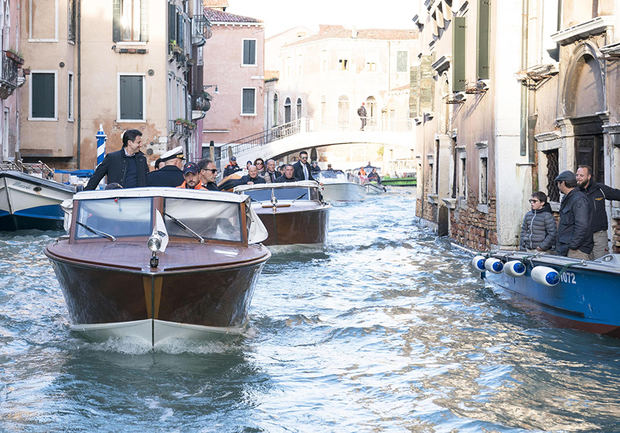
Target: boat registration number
x: 568, y: 277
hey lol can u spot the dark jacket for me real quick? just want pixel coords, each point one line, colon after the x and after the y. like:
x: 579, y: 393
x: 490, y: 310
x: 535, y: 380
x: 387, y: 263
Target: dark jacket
x: 211, y: 186
x: 538, y: 229
x: 299, y: 171
x: 271, y: 177
x: 574, y: 229
x: 283, y: 178
x: 230, y: 169
x: 168, y: 175
x: 598, y: 193
x: 114, y: 166
x: 245, y: 179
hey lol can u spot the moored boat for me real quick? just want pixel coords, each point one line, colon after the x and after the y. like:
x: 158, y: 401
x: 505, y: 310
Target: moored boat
x: 293, y: 213
x: 340, y: 187
x: 569, y: 292
x: 156, y: 263
x: 31, y: 202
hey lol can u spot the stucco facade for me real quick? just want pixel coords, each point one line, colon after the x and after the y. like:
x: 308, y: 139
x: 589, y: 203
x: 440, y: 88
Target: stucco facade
x: 234, y: 70
x: 11, y: 77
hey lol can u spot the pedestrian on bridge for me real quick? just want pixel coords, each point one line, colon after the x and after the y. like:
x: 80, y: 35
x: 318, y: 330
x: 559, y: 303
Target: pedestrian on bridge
x: 361, y: 112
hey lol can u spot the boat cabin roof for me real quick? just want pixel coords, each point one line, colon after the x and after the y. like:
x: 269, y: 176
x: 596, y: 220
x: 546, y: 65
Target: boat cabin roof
x: 162, y: 192
x: 281, y: 185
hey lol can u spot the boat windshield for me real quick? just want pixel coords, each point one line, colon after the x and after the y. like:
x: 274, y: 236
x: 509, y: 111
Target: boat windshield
x: 293, y: 193
x: 331, y: 174
x: 117, y: 217
x: 208, y: 219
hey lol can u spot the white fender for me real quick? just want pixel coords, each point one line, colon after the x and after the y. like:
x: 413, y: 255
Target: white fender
x: 514, y: 268
x: 478, y: 263
x: 494, y: 265
x: 545, y: 275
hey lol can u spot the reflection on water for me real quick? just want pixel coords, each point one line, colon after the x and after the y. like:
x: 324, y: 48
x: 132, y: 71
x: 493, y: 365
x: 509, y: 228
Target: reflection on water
x: 387, y: 330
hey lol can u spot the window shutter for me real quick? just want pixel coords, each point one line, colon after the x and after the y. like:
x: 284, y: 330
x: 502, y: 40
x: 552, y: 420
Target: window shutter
x: 116, y: 21
x: 180, y: 30
x: 144, y: 21
x: 482, y: 41
x: 458, y: 55
x: 172, y: 23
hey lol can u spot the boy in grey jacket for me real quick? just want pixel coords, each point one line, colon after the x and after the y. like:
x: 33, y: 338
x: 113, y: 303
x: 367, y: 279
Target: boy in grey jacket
x: 538, y: 230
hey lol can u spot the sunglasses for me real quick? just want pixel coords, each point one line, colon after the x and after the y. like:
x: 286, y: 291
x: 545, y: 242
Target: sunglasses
x: 533, y: 200
x: 304, y: 157
x: 212, y: 170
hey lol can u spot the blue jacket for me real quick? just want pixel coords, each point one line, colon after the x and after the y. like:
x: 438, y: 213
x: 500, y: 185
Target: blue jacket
x: 168, y: 175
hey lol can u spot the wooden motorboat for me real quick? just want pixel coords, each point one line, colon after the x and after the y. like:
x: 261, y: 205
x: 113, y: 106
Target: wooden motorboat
x: 157, y: 263
x: 374, y: 188
x: 341, y: 187
x: 293, y: 213
x: 29, y: 201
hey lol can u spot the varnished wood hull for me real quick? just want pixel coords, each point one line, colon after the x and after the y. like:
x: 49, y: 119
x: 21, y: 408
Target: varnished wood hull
x: 303, y: 228
x: 102, y: 298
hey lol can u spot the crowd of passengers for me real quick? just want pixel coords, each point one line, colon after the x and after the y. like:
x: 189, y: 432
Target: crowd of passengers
x: 581, y: 231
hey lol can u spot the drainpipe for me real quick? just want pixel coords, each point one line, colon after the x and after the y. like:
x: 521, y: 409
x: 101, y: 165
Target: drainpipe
x: 524, y: 90
x: 79, y: 83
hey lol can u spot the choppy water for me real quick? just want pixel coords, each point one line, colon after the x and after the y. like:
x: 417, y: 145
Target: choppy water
x: 388, y: 331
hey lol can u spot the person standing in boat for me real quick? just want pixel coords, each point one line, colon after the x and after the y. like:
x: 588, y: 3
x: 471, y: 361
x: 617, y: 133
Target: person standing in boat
x: 208, y: 173
x: 538, y: 230
x: 271, y: 174
x: 303, y: 171
x: 374, y: 176
x: 171, y: 174
x: 597, y: 193
x: 127, y: 167
x: 574, y: 230
x: 252, y: 177
x: 288, y: 176
x: 192, y: 177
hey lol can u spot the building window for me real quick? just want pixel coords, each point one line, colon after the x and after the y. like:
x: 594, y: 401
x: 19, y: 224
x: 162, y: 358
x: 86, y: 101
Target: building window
x: 371, y: 66
x: 71, y: 20
x: 482, y: 41
x: 484, y: 183
x: 249, y: 52
x: 43, y: 21
x: 299, y: 108
x: 129, y: 21
x: 343, y: 111
x: 275, y: 109
x: 248, y: 102
x: 43, y: 95
x: 463, y: 178
x: 589, y: 151
x: 131, y: 97
x: 401, y: 61
x: 287, y: 110
x: 552, y: 172
x: 70, y: 96
x: 343, y: 64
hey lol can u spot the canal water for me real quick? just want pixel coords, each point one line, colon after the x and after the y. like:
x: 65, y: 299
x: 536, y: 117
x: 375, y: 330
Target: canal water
x: 387, y: 331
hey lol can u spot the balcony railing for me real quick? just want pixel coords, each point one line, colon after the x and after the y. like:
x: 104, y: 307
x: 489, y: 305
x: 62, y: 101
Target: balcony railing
x: 8, y: 80
x: 201, y: 30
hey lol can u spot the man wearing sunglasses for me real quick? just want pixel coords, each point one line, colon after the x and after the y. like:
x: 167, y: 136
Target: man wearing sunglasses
x: 208, y: 173
x: 303, y: 170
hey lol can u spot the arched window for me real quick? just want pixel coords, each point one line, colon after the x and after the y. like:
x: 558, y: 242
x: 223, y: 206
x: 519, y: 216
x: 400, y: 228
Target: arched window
x: 275, y: 109
x: 299, y: 108
x: 287, y: 110
x: 371, y: 110
x: 343, y: 111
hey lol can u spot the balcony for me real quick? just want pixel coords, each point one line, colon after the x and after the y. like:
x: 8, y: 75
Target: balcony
x: 201, y: 30
x: 11, y: 63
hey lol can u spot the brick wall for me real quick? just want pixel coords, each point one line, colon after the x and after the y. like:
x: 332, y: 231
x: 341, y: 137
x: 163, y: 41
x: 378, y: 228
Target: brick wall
x: 474, y: 229
x: 615, y: 239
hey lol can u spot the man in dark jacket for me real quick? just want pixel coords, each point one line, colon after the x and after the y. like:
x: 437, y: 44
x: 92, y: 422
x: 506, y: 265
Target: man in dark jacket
x: 127, y: 167
x: 597, y: 193
x: 252, y: 177
x: 574, y: 233
x: 538, y: 229
x: 232, y: 167
x: 303, y: 171
x: 208, y: 174
x: 171, y: 174
x: 288, y: 175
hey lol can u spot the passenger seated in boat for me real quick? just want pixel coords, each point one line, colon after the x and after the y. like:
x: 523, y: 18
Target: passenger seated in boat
x: 538, y: 230
x: 252, y: 177
x: 208, y: 173
x: 289, y: 174
x: 191, y: 176
x: 374, y: 176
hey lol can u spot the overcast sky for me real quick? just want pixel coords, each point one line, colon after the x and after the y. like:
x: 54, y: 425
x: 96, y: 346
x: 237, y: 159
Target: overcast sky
x: 279, y: 15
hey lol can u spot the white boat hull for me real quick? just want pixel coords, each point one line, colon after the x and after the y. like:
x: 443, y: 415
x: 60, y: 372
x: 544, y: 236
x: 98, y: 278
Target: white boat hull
x: 153, y: 332
x: 343, y: 191
x: 374, y: 189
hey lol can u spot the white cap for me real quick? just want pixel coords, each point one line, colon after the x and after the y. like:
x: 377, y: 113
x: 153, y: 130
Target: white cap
x: 177, y: 152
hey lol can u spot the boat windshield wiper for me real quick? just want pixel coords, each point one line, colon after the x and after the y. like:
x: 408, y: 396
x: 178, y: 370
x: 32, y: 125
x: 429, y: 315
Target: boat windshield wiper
x: 301, y: 196
x: 95, y: 231
x: 185, y: 227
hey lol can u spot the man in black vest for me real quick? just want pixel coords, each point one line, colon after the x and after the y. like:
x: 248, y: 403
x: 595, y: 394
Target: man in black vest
x: 303, y: 171
x: 171, y: 174
x: 127, y: 166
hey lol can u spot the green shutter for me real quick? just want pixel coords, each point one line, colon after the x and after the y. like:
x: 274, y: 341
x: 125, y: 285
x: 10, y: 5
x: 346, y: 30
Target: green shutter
x: 482, y: 41
x: 116, y: 21
x: 172, y: 24
x: 144, y: 21
x: 458, y: 55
